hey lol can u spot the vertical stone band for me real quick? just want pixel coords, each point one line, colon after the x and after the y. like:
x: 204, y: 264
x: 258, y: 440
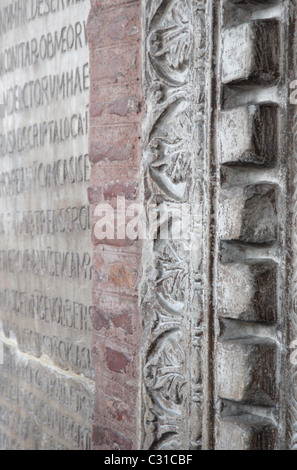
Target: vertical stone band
x: 292, y: 244
x: 174, y: 60
x: 251, y: 224
x: 233, y: 166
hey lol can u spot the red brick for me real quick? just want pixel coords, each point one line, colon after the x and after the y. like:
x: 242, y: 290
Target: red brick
x: 121, y: 275
x: 127, y: 242
x: 105, y: 320
x: 120, y: 189
x: 117, y: 65
x: 124, y: 106
x: 115, y: 104
x: 109, y: 439
x: 116, y: 408
x: 115, y: 144
x: 94, y: 194
x: 104, y: 174
x: 117, y: 317
x: 116, y: 271
x: 100, y: 319
x: 116, y: 361
x: 124, y: 321
x: 109, y: 27
x: 117, y: 239
x: 96, y: 108
x: 115, y: 153
x: 101, y: 151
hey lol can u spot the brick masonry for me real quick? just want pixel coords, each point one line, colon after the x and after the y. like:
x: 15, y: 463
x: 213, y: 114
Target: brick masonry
x: 115, y: 152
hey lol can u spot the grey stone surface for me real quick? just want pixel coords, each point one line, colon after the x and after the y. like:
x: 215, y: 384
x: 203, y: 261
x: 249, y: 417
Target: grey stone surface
x: 175, y: 61
x: 226, y: 341
x: 45, y: 254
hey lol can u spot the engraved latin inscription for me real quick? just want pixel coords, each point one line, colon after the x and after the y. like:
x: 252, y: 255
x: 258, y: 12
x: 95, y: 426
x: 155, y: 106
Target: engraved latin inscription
x: 46, y: 382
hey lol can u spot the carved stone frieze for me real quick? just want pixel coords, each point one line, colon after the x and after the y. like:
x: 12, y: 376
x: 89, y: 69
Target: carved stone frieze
x: 215, y: 309
x: 172, y: 174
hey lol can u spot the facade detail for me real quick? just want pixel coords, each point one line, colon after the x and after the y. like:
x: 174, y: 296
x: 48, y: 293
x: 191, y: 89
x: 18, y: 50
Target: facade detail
x: 148, y: 227
x: 216, y: 81
x: 292, y: 243
x: 251, y: 225
x: 173, y: 166
x: 116, y: 110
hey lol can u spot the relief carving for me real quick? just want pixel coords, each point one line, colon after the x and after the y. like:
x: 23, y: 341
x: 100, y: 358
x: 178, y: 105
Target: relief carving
x: 236, y: 405
x: 250, y: 224
x: 169, y: 44
x: 171, y: 384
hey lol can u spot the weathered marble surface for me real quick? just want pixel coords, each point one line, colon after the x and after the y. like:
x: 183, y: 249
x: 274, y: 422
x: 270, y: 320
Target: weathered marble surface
x: 46, y: 253
x: 217, y: 314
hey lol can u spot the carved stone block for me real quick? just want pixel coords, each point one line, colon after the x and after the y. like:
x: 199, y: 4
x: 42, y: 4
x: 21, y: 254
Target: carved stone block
x: 245, y: 433
x: 248, y: 135
x: 251, y: 52
x: 248, y: 213
x: 247, y: 292
x: 253, y: 3
x: 242, y: 369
